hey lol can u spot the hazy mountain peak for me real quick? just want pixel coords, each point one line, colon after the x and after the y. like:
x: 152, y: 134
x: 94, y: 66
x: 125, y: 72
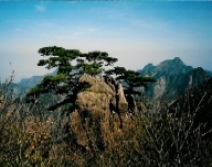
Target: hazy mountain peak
x: 173, y: 66
x: 177, y: 60
x: 173, y: 62
x: 148, y: 67
x: 173, y: 78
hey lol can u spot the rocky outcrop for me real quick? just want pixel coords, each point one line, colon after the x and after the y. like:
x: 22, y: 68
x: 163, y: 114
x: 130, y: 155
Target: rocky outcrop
x: 173, y: 79
x: 101, y: 113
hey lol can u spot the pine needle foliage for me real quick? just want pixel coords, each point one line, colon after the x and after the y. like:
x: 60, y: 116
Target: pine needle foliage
x: 71, y: 64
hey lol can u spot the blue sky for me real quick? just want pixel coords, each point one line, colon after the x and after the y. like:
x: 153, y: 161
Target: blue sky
x: 136, y: 32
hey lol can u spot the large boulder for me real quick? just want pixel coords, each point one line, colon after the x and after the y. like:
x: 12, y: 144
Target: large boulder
x: 101, y: 113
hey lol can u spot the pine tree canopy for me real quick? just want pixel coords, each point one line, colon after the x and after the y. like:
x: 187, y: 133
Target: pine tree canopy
x: 131, y: 80
x: 71, y: 64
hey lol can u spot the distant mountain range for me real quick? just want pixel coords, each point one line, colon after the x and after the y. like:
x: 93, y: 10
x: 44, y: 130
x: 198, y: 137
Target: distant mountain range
x: 26, y: 84
x: 173, y: 78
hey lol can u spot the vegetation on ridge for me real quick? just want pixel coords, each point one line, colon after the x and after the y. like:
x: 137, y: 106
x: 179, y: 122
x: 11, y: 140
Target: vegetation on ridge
x: 72, y: 64
x: 157, y: 137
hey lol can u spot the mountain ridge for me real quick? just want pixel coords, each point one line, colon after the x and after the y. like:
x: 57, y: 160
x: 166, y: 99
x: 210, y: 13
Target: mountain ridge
x: 173, y: 78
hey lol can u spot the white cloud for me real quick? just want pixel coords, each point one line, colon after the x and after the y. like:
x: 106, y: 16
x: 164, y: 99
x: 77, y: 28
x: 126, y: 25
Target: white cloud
x: 40, y: 8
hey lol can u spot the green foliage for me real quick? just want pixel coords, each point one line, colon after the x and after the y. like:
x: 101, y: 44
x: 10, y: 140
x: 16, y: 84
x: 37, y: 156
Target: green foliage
x: 153, y: 138
x: 70, y: 64
x: 50, y: 84
x: 131, y: 80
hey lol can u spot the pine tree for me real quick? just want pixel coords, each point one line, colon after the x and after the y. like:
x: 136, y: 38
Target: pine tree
x: 131, y: 80
x: 71, y: 65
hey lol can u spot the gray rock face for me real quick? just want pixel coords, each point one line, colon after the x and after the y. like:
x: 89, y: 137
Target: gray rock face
x: 160, y: 88
x: 173, y: 79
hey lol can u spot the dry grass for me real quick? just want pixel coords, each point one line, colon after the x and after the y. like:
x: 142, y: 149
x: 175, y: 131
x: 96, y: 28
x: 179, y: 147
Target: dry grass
x: 152, y: 138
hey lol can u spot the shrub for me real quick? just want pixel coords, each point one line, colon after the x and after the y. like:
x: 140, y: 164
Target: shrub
x: 156, y: 138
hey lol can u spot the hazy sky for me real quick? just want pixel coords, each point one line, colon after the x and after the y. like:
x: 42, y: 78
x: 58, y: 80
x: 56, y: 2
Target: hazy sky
x: 136, y: 32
